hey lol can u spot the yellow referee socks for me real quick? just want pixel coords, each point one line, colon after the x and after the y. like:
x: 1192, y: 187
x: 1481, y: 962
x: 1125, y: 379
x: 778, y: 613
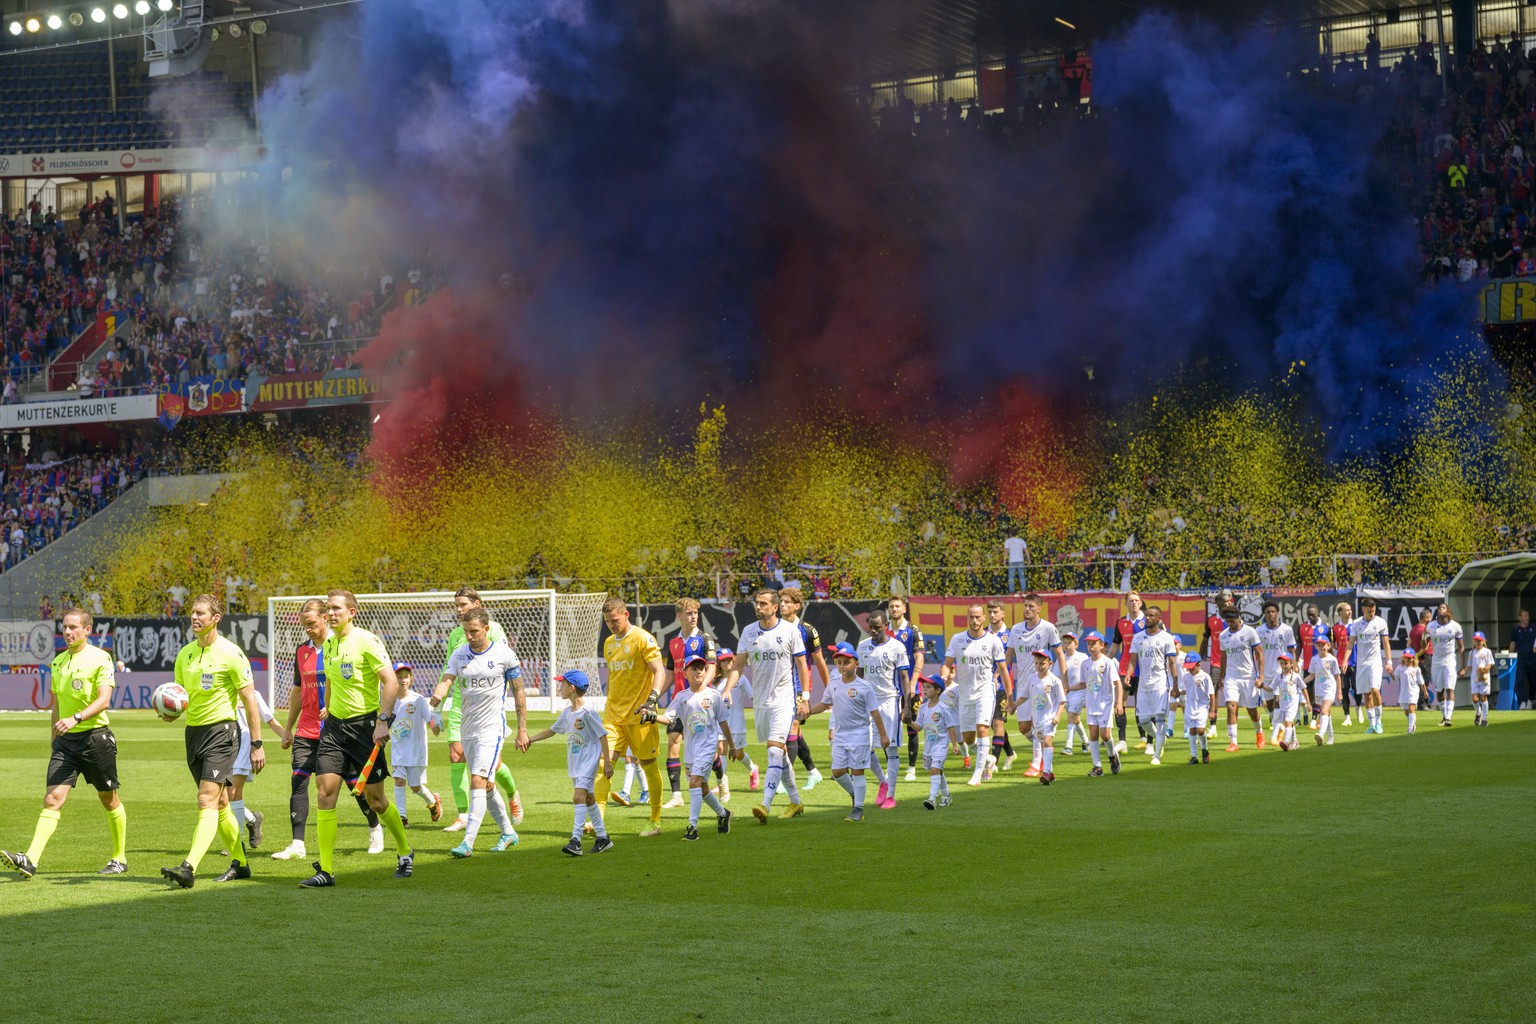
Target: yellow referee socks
x: 117, y: 824
x: 653, y: 782
x: 232, y: 835
x: 389, y: 817
x: 325, y: 832
x: 202, y: 836
x: 47, y: 821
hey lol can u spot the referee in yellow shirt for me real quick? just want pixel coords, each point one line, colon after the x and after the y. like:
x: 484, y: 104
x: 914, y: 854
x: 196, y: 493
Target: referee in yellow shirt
x: 635, y: 681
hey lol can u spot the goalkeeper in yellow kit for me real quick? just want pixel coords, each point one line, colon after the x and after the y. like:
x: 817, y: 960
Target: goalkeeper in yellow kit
x: 635, y: 681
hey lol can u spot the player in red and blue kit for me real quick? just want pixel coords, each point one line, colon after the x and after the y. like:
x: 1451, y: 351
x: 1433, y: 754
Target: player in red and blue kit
x: 911, y: 638
x: 690, y: 642
x: 791, y: 601
x: 1126, y: 628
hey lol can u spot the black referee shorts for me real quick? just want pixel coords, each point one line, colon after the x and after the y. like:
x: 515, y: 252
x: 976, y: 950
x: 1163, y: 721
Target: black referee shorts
x: 675, y: 728
x: 345, y: 744
x: 211, y: 751
x: 92, y: 753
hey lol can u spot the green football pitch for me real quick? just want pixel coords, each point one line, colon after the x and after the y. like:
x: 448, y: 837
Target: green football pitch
x: 1384, y: 878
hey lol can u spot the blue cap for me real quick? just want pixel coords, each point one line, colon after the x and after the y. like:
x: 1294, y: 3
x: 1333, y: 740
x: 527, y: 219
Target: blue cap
x: 844, y: 650
x: 724, y: 652
x: 575, y: 677
x: 404, y: 666
x: 935, y: 680
x: 1191, y: 658
x: 1479, y: 635
x: 1409, y: 653
x: 1093, y: 634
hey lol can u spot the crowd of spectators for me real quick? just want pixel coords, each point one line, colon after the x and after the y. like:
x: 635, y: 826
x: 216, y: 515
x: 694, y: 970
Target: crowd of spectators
x: 191, y: 307
x: 46, y: 493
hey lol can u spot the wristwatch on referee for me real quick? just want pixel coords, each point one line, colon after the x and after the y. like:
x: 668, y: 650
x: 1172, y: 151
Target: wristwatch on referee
x: 255, y: 744
x: 387, y: 719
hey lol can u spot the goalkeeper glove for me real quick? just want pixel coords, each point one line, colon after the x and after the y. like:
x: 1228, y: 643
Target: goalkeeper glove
x: 652, y: 707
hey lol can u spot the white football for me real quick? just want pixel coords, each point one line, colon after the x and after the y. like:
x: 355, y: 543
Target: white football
x: 169, y: 701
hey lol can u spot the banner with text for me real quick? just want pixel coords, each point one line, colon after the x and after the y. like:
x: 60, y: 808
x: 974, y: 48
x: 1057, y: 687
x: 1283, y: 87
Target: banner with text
x: 77, y: 410
x: 309, y: 390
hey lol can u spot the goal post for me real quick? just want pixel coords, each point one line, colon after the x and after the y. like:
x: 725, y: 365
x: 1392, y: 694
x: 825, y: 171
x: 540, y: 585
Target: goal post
x: 550, y: 632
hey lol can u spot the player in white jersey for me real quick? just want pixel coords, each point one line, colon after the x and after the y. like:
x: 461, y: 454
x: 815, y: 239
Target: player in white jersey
x: 1242, y: 659
x: 1197, y: 691
x: 485, y: 670
x: 1031, y: 634
x: 859, y: 721
x: 1289, y: 690
x: 736, y: 717
x: 1156, y: 652
x: 252, y: 820
x: 773, y: 651
x: 1479, y: 669
x: 973, y: 662
x: 884, y: 666
x: 586, y: 753
x: 1373, y: 660
x: 1409, y: 681
x: 1002, y: 757
x: 1276, y: 638
x: 1103, y: 701
x: 1077, y: 688
x: 1047, y: 699
x: 937, y: 721
x: 705, y: 719
x: 1323, y: 675
x: 414, y: 718
x: 1445, y: 662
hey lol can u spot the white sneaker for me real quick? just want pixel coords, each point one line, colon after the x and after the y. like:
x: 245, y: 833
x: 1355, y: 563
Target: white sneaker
x: 1008, y: 761
x: 1120, y: 747
x: 457, y: 824
x: 676, y: 801
x: 812, y: 780
x: 376, y: 839
x: 911, y: 774
x: 289, y: 852
x: 944, y: 800
x: 975, y: 780
x: 1156, y: 761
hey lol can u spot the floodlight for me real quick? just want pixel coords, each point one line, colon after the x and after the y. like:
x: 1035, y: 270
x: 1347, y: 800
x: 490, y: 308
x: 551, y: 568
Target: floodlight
x: 98, y: 15
x: 76, y: 19
x: 119, y: 10
x: 55, y: 22
x: 142, y: 7
x: 33, y: 24
x: 15, y: 28
x: 165, y: 5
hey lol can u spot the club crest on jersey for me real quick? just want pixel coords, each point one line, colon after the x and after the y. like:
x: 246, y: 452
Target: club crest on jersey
x: 207, y: 681
x: 580, y: 725
x: 346, y: 670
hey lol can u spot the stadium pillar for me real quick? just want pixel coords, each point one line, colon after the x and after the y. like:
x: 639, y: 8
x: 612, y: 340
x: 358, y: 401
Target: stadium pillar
x: 151, y: 190
x: 1464, y: 27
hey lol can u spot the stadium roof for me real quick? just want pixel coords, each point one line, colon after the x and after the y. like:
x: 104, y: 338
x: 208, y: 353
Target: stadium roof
x: 932, y: 34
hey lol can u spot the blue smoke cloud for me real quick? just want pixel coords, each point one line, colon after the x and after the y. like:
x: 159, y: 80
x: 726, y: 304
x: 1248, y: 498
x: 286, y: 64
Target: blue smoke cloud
x: 642, y: 165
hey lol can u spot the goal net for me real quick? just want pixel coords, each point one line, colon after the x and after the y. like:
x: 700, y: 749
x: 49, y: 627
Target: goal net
x: 550, y: 632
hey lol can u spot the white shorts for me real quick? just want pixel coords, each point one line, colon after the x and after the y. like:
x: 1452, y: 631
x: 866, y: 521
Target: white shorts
x: 413, y: 774
x: 1240, y: 692
x: 483, y: 753
x: 1325, y: 691
x: 1076, y: 699
x: 1100, y: 719
x: 243, y: 758
x: 701, y: 767
x: 1197, y: 718
x: 1286, y: 707
x: 1150, y: 703
x: 935, y: 753
x: 773, y: 721
x: 586, y: 783
x: 850, y: 755
x: 1479, y: 688
x: 1368, y: 678
x: 1045, y: 730
x: 890, y: 715
x: 1442, y: 677
x: 977, y: 712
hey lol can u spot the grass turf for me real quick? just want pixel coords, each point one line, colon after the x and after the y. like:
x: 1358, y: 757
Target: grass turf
x: 1385, y: 878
